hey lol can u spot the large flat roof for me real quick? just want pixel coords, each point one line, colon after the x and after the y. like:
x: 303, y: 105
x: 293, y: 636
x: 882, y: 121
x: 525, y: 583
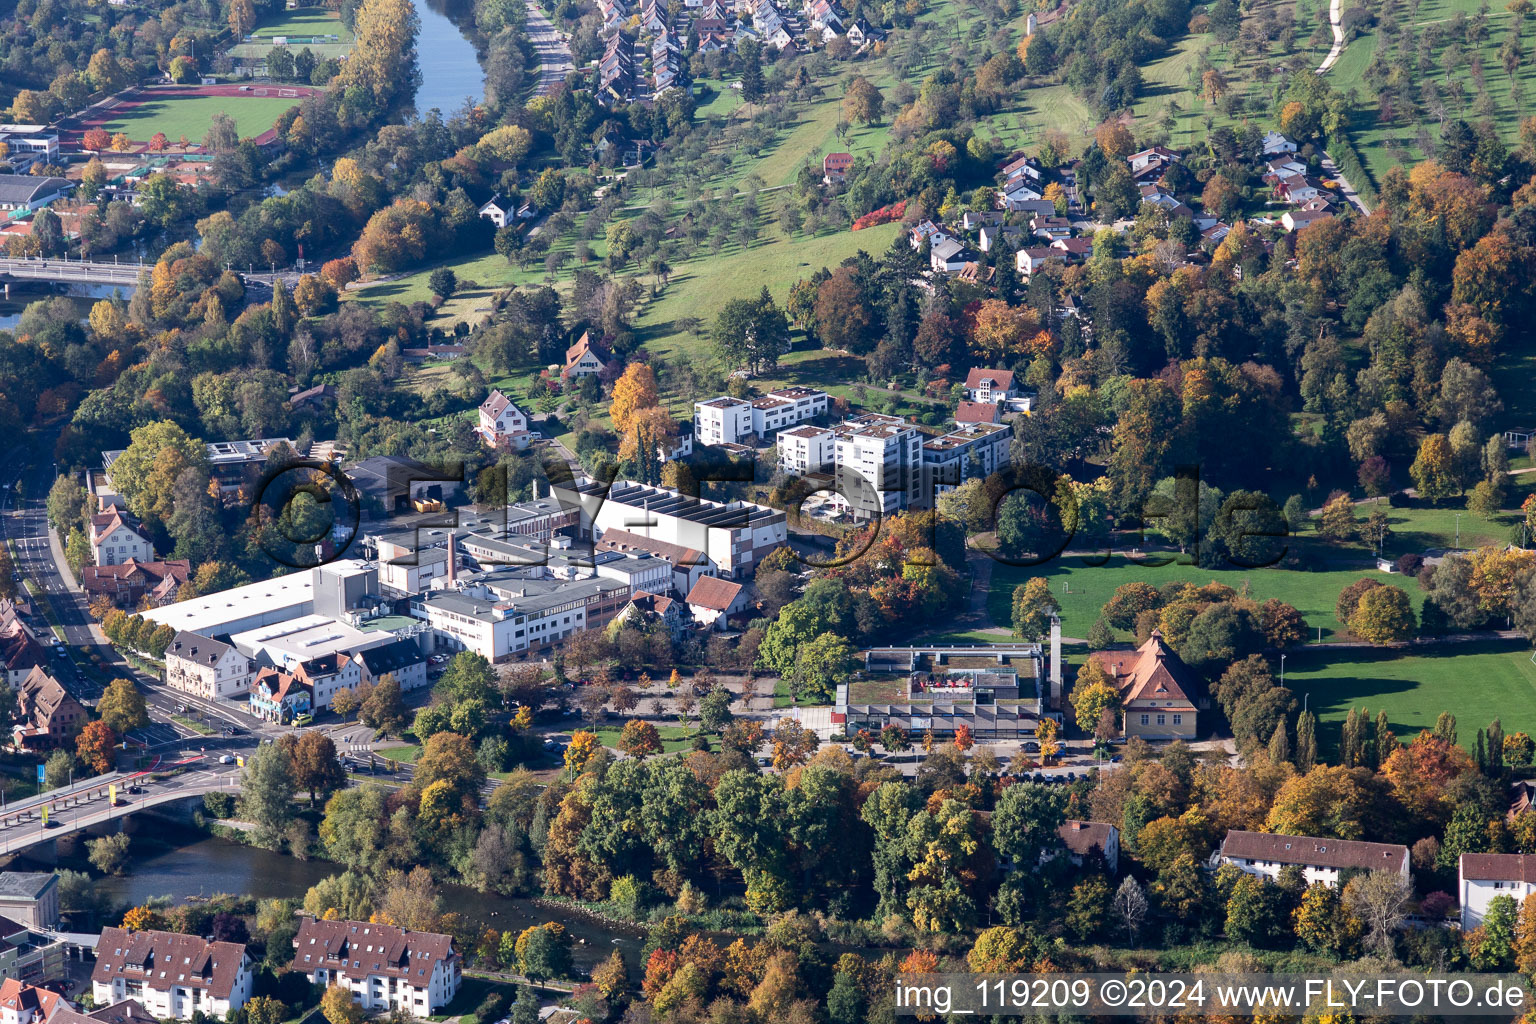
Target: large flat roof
x: 210, y: 611
x: 663, y: 502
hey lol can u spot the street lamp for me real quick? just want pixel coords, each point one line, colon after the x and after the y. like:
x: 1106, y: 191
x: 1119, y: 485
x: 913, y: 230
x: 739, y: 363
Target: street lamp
x: 1458, y: 528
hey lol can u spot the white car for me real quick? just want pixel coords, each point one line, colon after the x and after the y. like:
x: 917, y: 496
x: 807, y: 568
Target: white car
x: 227, y: 759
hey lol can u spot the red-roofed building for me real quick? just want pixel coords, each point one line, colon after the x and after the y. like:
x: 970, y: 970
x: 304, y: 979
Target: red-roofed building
x: 983, y: 385
x: 173, y: 975
x: 834, y: 168
x: 128, y: 581
x: 384, y: 967
x: 978, y: 412
x: 117, y: 537
x: 584, y: 358
x: 713, y: 600
x: 1085, y: 839
x: 1157, y: 690
x: 28, y: 1004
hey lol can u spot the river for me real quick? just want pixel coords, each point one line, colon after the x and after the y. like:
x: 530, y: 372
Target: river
x: 450, y: 70
x: 182, y: 862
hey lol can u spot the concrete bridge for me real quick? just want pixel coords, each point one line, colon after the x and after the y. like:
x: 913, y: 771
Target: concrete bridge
x: 115, y: 274
x: 88, y: 805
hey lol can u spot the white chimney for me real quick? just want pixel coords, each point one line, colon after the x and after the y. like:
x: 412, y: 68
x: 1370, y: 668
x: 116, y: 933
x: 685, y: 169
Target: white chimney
x: 1056, y: 684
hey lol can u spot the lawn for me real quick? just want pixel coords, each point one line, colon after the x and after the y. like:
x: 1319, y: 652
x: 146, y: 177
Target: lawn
x: 301, y: 26
x: 406, y: 753
x: 1082, y: 590
x: 191, y: 116
x: 1475, y: 682
x: 673, y: 737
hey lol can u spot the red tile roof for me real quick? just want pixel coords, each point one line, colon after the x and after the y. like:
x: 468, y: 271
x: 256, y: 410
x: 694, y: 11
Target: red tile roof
x: 1324, y: 853
x: 162, y: 960
x: 1498, y: 867
x: 1002, y: 380
x: 713, y: 593
x: 1151, y: 672
x: 978, y: 412
x: 1084, y: 837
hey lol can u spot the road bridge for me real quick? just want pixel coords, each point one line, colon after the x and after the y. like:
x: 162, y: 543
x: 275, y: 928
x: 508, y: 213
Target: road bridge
x: 114, y: 274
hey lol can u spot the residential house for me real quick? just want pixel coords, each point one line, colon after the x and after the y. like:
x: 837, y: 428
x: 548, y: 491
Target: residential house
x: 502, y: 423
x: 47, y: 717
x: 207, y: 668
x: 722, y: 420
x: 312, y: 398
x: 713, y: 600
x: 653, y: 18
x: 1325, y: 861
x: 1481, y: 877
x: 976, y: 273
x: 805, y: 450
x: 926, y: 232
x: 1019, y: 203
x: 127, y: 582
x: 402, y: 658
x: 1157, y: 690
x: 20, y: 652
x: 1087, y: 839
x: 384, y: 967
x: 834, y: 168
x: 1295, y: 220
x: 116, y: 537
x: 614, y: 13
x: 616, y: 71
x: 973, y: 220
x: 1284, y: 167
x: 972, y: 449
x: 498, y: 210
x: 878, y: 465
x: 1076, y: 250
x: 1275, y: 144
x: 278, y: 696
x: 1151, y: 162
x: 585, y: 358
x: 1298, y: 188
x: 1021, y: 195
x: 1215, y: 233
x: 786, y: 407
x: 991, y: 386
x: 648, y: 610
x: 1022, y: 168
x: 949, y: 256
x: 978, y: 412
x: 128, y: 1011
x: 30, y: 899
x: 173, y: 975
x: 1030, y: 259
x: 861, y: 33
x: 21, y: 1003
x: 1050, y: 228
x: 996, y: 235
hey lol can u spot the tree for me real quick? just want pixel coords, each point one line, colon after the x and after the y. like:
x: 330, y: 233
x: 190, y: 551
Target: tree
x: 1087, y: 908
x: 442, y: 281
x: 122, y: 707
x: 109, y: 854
x: 639, y: 739
x: 1033, y: 606
x: 1338, y: 519
x: 1131, y: 906
x: 821, y: 666
x: 338, y: 1005
x: 862, y: 102
x: 1433, y: 470
x: 1349, y: 599
x: 715, y: 710
x: 316, y: 767
x: 58, y: 769
x: 344, y: 702
x: 1384, y: 616
x: 266, y: 793
x: 753, y: 332
x: 634, y: 391
x: 579, y: 751
x: 94, y: 746
x: 1092, y: 695
x: 383, y: 709
x: 544, y: 952
x: 1380, y: 900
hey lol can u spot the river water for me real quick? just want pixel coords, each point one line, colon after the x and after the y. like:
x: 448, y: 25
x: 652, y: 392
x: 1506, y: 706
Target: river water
x: 182, y: 863
x: 450, y: 71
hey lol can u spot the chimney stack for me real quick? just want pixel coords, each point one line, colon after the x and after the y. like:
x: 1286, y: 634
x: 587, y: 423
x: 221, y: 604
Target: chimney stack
x: 1056, y: 683
x: 453, y: 559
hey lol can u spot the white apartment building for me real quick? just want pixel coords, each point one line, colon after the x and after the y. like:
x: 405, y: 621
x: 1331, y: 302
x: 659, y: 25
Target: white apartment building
x: 879, y: 463
x: 172, y: 975
x: 973, y: 449
x: 505, y: 613
x: 207, y: 668
x: 1483, y: 876
x: 502, y: 422
x: 384, y: 967
x: 804, y: 450
x: 786, y: 407
x: 722, y: 420
x: 733, y: 536
x: 1321, y: 860
x: 116, y: 537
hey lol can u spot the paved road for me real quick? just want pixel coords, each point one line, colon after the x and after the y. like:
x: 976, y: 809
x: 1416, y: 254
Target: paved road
x: 1331, y: 170
x: 554, y: 52
x: 87, y: 804
x: 41, y: 561
x: 1335, y: 16
x: 121, y: 275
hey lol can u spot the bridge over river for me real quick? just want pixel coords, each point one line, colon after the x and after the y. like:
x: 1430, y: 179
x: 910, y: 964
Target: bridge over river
x: 114, y: 274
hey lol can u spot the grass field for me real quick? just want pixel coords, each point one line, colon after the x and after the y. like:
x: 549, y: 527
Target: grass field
x: 673, y: 737
x: 301, y: 23
x: 190, y: 116
x: 1475, y: 682
x: 407, y: 753
x: 1082, y: 590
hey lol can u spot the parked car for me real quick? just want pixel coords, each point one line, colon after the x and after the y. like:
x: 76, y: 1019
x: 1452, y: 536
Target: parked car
x: 1031, y: 746
x: 227, y: 759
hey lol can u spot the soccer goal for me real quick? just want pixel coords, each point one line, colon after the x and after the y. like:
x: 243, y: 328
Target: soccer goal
x: 287, y: 93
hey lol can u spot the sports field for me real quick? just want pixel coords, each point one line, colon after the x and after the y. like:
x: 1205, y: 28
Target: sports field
x: 1475, y: 682
x: 190, y: 115
x: 300, y: 26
